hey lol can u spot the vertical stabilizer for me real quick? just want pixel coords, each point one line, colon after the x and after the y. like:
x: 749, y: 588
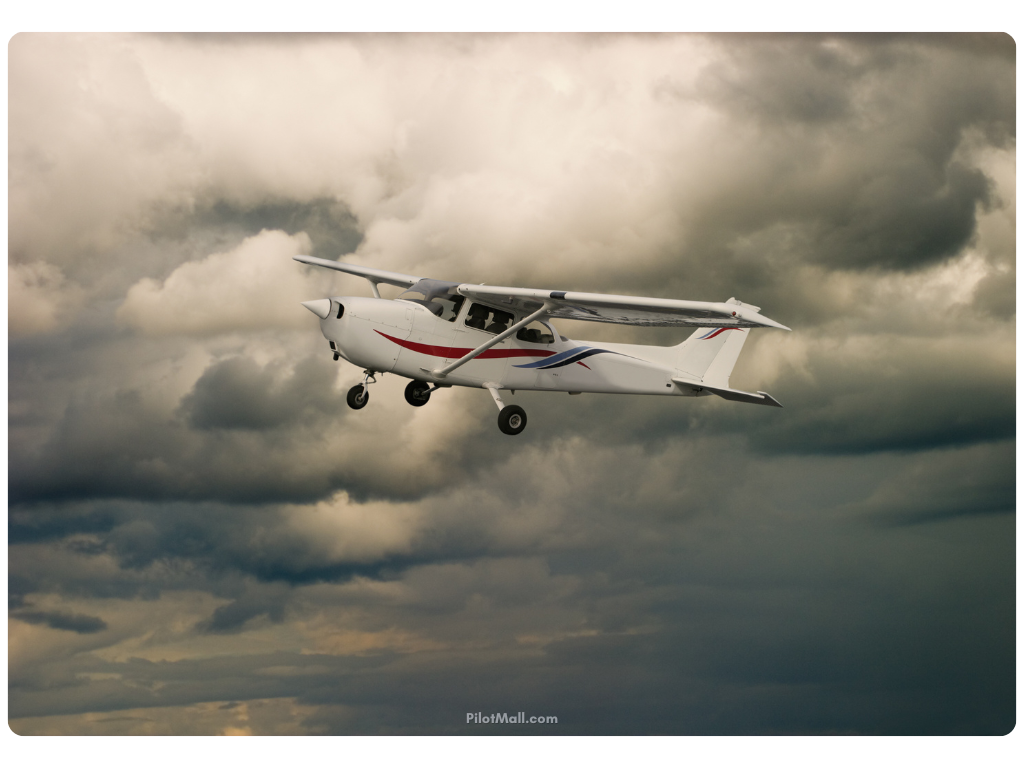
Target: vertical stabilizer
x: 710, y: 354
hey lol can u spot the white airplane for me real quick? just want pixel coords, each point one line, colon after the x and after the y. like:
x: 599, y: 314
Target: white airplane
x: 443, y: 334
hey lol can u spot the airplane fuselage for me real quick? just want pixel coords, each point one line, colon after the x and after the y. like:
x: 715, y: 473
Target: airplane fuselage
x: 407, y: 339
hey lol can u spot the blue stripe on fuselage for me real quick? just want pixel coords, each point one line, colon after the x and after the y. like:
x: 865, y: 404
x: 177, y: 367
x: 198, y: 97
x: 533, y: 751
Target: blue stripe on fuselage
x: 566, y: 358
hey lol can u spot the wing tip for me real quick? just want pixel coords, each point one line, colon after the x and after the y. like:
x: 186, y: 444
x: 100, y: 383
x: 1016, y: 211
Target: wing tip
x: 766, y: 322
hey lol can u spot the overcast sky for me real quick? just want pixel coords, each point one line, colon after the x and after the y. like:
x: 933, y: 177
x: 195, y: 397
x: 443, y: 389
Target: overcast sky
x: 203, y: 538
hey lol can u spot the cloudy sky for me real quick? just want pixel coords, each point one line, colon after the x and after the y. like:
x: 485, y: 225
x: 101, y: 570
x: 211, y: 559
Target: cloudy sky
x: 203, y: 538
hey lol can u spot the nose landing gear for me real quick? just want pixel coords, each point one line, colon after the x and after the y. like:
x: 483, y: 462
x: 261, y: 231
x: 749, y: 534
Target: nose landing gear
x: 359, y: 395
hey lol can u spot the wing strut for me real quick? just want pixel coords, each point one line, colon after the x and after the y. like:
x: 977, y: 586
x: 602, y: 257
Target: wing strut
x: 442, y: 372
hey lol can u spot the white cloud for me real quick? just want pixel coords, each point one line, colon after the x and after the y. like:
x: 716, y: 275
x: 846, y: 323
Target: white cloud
x: 337, y: 529
x: 256, y: 285
x: 92, y: 148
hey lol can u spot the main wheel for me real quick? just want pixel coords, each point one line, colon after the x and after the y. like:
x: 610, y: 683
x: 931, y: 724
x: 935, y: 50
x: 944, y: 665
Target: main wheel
x: 358, y: 396
x: 417, y: 393
x: 512, y: 420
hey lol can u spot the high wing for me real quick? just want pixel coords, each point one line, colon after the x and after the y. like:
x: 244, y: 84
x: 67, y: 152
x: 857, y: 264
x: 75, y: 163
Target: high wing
x: 595, y: 307
x: 373, y: 275
x: 623, y: 310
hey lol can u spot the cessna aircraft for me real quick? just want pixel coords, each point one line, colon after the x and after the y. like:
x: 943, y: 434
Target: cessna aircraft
x: 443, y: 334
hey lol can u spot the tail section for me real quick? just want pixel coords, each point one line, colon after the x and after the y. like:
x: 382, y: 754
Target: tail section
x: 706, y: 359
x: 710, y: 354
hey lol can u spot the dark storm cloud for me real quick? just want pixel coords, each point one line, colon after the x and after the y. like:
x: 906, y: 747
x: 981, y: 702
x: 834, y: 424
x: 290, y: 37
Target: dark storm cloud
x: 940, y: 485
x: 245, y: 433
x: 41, y: 523
x: 329, y: 223
x: 996, y: 296
x: 72, y: 622
x: 233, y: 616
x: 918, y: 413
x: 514, y: 510
x: 216, y: 223
x: 920, y: 397
x: 251, y: 540
x: 797, y: 79
x: 780, y: 653
x: 238, y: 394
x: 200, y: 680
x: 250, y: 433
x: 904, y: 223
x: 896, y: 197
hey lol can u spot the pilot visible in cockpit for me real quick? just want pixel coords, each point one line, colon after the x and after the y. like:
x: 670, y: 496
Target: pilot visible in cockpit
x: 497, y: 326
x: 477, y: 317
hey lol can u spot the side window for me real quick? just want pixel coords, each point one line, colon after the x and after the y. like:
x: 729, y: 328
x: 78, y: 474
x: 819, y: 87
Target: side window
x: 536, y: 333
x: 487, y: 319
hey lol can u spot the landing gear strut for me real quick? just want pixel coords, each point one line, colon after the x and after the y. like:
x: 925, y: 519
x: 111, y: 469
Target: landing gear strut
x: 359, y: 395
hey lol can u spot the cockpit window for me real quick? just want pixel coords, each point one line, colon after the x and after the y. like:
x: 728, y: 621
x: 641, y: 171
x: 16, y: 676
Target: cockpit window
x: 488, y: 319
x: 536, y: 333
x: 450, y: 306
x: 438, y: 296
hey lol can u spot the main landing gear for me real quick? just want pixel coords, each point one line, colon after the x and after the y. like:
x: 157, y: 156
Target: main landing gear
x: 511, y: 418
x: 359, y: 395
x: 417, y: 393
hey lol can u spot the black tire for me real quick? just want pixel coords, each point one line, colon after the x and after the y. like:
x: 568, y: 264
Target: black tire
x: 416, y: 393
x: 358, y: 397
x: 512, y: 420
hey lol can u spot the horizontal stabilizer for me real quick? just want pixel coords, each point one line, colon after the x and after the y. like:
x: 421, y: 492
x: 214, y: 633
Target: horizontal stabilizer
x: 761, y: 398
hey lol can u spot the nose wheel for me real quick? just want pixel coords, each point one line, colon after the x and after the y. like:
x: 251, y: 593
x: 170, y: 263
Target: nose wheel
x: 359, y: 395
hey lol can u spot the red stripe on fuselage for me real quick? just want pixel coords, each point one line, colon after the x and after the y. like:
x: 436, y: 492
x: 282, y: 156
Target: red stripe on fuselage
x: 457, y: 352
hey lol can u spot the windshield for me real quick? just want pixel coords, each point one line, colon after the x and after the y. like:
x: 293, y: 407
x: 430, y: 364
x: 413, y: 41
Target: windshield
x: 438, y: 296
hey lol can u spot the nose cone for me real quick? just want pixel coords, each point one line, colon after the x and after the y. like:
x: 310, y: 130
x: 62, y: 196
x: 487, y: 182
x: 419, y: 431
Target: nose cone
x: 319, y: 307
